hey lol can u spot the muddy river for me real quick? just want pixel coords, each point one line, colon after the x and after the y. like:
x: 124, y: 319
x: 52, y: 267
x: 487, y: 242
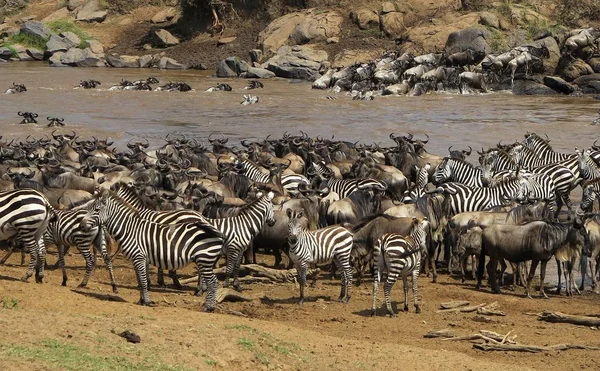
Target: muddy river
x: 449, y: 119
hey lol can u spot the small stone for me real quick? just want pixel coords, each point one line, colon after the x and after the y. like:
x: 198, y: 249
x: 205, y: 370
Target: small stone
x: 333, y: 40
x: 226, y: 40
x: 388, y: 7
x: 165, y: 15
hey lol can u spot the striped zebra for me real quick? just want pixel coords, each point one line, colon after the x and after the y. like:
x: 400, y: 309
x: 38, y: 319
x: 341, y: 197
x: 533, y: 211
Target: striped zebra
x: 460, y: 171
x: 543, y: 149
x: 463, y: 198
x: 318, y: 247
x: 418, y: 190
x: 25, y: 214
x: 587, y: 165
x: 238, y: 231
x: 538, y: 187
x: 290, y: 182
x: 591, y: 190
x: 343, y: 187
x: 164, y: 246
x: 396, y: 255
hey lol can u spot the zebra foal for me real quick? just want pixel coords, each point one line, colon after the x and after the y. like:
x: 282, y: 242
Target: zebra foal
x: 317, y: 247
x: 396, y: 255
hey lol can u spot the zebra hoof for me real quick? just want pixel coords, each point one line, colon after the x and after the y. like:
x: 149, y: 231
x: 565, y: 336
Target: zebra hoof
x: 64, y: 283
x: 301, y: 301
x: 373, y: 313
x: 115, y: 290
x: 209, y: 309
x: 25, y: 279
x: 417, y: 309
x: 406, y: 308
x: 146, y: 303
x: 39, y: 279
x: 198, y: 292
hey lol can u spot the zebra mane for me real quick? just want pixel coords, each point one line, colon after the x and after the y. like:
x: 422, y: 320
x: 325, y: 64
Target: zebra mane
x: 459, y: 161
x: 534, y: 139
x: 113, y: 195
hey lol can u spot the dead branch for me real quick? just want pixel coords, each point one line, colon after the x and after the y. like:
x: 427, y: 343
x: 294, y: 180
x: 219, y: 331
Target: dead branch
x: 467, y: 309
x: 445, y: 333
x: 490, y: 312
x: 558, y: 317
x: 474, y: 337
x: 454, y: 304
x: 531, y: 348
x: 226, y: 294
x: 273, y: 275
x: 501, y: 338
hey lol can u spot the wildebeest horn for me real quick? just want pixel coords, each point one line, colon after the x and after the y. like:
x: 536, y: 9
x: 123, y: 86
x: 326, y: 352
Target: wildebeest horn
x: 304, y: 135
x: 409, y: 137
x: 470, y: 150
x: 286, y: 135
x: 106, y: 141
x: 21, y: 114
x: 425, y: 141
x: 392, y: 137
x: 595, y: 145
x: 547, y: 139
x: 245, y: 143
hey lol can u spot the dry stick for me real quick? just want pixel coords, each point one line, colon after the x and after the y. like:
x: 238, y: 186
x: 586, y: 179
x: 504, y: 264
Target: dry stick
x: 445, y: 333
x: 231, y: 295
x: 274, y: 275
x: 454, y: 304
x: 557, y: 317
x: 469, y: 309
x: 531, y: 348
x: 474, y: 337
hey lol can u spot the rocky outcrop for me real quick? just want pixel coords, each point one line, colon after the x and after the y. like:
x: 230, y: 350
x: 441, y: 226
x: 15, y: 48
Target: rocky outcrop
x: 164, y: 39
x: 36, y: 29
x: 231, y: 67
x: 471, y: 38
x: 299, y: 28
x: 365, y: 18
x: 257, y: 73
x: 95, y: 46
x: 558, y: 84
x: 73, y: 4
x: 570, y: 70
x: 166, y: 63
x: 350, y: 56
x: 90, y: 11
x: 165, y: 15
x: 35, y: 54
x: 297, y: 62
x: 531, y: 87
x: 122, y: 61
x: 489, y: 19
x: 5, y: 53
x: 55, y: 60
x: 589, y: 84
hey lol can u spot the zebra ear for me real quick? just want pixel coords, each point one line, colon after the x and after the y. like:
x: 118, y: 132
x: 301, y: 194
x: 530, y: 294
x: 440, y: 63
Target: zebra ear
x: 270, y: 196
x: 300, y: 214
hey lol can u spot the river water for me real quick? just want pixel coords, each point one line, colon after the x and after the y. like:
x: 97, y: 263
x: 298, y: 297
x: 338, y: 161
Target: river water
x: 450, y: 119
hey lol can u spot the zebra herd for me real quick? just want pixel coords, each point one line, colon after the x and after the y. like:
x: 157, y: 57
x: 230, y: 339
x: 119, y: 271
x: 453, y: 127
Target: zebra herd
x: 395, y: 209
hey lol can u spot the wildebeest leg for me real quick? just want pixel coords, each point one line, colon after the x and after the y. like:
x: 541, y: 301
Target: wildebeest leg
x: 502, y: 271
x: 11, y: 246
x: 559, y: 271
x: 463, y: 266
x: 542, y: 277
x: 433, y: 268
x: 473, y: 265
x: 534, y: 264
x: 582, y: 268
x: 491, y: 268
x: 593, y: 267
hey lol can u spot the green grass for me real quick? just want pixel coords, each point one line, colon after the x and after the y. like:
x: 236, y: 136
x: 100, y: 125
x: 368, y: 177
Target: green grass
x: 210, y: 362
x: 498, y: 41
x: 63, y: 25
x: 51, y: 353
x: 8, y: 303
x: 539, y: 26
x: 246, y: 343
x: 28, y: 41
x: 12, y: 49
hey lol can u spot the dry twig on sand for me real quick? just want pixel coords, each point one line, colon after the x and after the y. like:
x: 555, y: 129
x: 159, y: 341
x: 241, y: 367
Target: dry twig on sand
x: 558, y: 317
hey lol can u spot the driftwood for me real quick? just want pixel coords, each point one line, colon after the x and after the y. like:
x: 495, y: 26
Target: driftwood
x: 273, y: 275
x: 558, y: 317
x: 466, y: 309
x: 490, y: 310
x: 454, y: 304
x: 531, y: 348
x: 445, y: 333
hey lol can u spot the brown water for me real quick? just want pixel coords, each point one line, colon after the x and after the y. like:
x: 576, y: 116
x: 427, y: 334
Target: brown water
x: 449, y: 119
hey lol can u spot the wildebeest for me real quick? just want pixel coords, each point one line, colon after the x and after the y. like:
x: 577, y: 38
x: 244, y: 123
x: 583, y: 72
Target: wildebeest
x: 175, y: 86
x: 16, y: 88
x: 254, y: 84
x: 89, y: 84
x: 249, y: 99
x: 536, y: 241
x: 220, y: 87
x: 55, y: 121
x: 28, y: 117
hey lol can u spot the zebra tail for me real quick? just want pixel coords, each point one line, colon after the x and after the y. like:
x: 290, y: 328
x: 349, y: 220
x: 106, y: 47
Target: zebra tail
x: 211, y: 230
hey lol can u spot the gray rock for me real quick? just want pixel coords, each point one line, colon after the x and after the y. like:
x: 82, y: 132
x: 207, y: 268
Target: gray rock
x: 470, y: 38
x: 257, y: 73
x: 297, y: 73
x: 256, y: 55
x: 56, y: 60
x: 167, y: 63
x: 145, y: 61
x: 365, y: 18
x: 72, y: 56
x: 396, y: 89
x: 594, y: 62
x: 5, y: 53
x: 72, y: 4
x: 297, y: 62
x: 231, y: 67
x: 34, y: 53
x: 558, y: 84
x: 122, y: 61
x: 589, y: 84
x: 95, y: 46
x: 164, y: 39
x: 570, y: 69
x: 90, y: 12
x: 58, y: 44
x: 90, y: 59
x: 530, y: 87
x: 489, y: 19
x: 35, y: 28
x: 22, y: 53
x: 71, y: 38
x: 226, y: 40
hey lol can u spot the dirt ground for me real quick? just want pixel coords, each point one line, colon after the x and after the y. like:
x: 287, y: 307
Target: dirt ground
x: 46, y: 326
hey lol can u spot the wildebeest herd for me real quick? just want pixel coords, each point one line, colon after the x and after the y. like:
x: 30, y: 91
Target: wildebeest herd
x: 386, y: 211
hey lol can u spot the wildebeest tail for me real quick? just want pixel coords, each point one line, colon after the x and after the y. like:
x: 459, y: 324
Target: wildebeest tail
x: 481, y: 266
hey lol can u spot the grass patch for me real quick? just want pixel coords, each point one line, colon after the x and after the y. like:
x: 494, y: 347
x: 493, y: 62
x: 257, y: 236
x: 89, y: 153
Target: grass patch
x: 210, y: 362
x: 371, y: 32
x: 12, y: 49
x: 63, y: 25
x: 28, y: 41
x: 539, y: 26
x: 504, y: 8
x: 265, y: 346
x: 57, y: 354
x: 8, y: 303
x: 246, y: 343
x: 498, y: 41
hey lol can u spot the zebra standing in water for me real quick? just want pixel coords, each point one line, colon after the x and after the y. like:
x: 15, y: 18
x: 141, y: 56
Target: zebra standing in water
x: 238, y: 231
x: 164, y: 246
x: 320, y: 246
x: 396, y: 255
x: 25, y: 213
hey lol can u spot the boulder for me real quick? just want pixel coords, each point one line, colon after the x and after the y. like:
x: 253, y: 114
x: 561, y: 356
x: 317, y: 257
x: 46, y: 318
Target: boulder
x: 299, y: 28
x: 90, y: 59
x: 489, y: 19
x: 589, y: 84
x: 530, y: 87
x: 365, y: 18
x: 551, y: 62
x: 594, y: 62
x: 396, y: 89
x: 73, y: 4
x: 572, y: 69
x: 90, y: 12
x: 164, y: 39
x: 70, y: 37
x: 5, y: 53
x: 62, y: 13
x: 226, y: 40
x: 558, y: 84
x: 21, y: 52
x: 231, y: 67
x: 256, y: 55
x: 166, y: 63
x: 37, y: 29
x: 471, y: 38
x: 72, y: 56
x: 388, y: 7
x: 34, y: 53
x: 392, y: 24
x: 348, y: 57
x: 145, y: 61
x: 165, y: 15
x: 57, y: 44
x: 297, y: 62
x: 55, y: 60
x: 95, y: 46
x: 122, y: 61
x: 7, y: 31
x: 257, y: 73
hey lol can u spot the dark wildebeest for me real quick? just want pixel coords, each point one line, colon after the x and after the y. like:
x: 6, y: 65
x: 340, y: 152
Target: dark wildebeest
x: 28, y: 117
x: 16, y: 88
x: 536, y: 241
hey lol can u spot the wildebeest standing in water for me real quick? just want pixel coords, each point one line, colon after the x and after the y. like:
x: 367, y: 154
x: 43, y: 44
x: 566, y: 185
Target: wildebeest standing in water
x: 28, y: 117
x: 16, y: 88
x: 536, y: 241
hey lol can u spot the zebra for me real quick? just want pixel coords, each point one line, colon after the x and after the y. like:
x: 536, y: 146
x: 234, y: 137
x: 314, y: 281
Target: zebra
x: 317, y: 247
x: 25, y: 213
x: 419, y: 189
x: 289, y: 182
x: 342, y: 187
x: 591, y: 190
x: 396, y: 255
x: 238, y: 231
x: 164, y: 246
x: 543, y: 149
x: 538, y: 187
x: 461, y: 171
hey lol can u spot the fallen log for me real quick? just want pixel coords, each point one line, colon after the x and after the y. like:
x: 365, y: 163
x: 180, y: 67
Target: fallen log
x: 531, y: 348
x: 445, y: 333
x: 558, y: 317
x: 490, y: 310
x: 274, y: 275
x: 467, y: 309
x: 454, y: 304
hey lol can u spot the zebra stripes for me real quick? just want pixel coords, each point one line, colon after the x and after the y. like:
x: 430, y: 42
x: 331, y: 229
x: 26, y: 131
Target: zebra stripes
x: 320, y: 246
x: 460, y: 171
x: 421, y: 183
x: 289, y: 182
x: 25, y: 213
x: 396, y: 255
x: 164, y: 246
